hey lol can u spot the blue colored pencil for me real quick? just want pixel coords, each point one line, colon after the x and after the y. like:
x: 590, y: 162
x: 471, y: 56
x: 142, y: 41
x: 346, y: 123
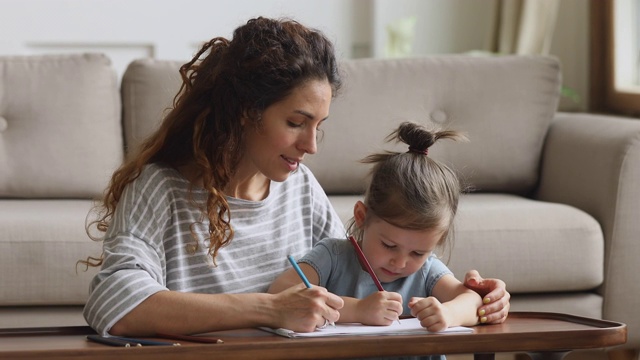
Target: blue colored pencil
x: 299, y: 271
x: 302, y: 276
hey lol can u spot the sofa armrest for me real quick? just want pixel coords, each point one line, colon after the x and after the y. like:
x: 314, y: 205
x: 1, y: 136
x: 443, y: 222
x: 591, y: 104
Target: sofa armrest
x: 592, y: 162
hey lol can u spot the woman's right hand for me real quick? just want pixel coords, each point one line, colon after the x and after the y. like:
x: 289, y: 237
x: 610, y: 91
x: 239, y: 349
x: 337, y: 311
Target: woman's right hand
x: 302, y: 309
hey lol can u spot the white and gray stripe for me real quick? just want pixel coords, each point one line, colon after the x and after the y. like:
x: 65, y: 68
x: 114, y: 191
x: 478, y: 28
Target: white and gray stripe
x: 147, y: 245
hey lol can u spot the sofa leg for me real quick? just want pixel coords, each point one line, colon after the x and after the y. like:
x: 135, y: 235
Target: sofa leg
x: 625, y: 354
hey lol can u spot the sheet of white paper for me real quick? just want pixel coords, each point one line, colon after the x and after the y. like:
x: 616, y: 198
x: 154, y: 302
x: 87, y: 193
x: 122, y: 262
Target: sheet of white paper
x: 409, y: 326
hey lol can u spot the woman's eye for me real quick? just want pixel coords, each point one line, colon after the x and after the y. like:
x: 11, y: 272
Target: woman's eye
x: 293, y: 124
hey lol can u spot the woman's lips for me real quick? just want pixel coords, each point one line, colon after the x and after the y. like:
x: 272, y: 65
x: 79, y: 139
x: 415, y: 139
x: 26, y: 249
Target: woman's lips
x: 291, y: 163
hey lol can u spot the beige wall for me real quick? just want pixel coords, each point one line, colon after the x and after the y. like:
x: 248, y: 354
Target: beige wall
x: 172, y: 29
x: 571, y: 46
x: 458, y: 26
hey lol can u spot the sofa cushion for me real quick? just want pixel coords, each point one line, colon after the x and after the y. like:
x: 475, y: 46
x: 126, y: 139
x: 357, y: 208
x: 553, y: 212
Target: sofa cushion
x: 504, y: 104
x: 526, y: 243
x: 534, y: 246
x: 588, y: 304
x: 60, y: 134
x: 148, y: 89
x: 41, y: 316
x: 40, y: 243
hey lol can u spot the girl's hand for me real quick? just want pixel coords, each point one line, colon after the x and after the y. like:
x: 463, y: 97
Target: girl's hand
x: 494, y: 297
x: 379, y: 308
x: 301, y: 309
x: 432, y: 314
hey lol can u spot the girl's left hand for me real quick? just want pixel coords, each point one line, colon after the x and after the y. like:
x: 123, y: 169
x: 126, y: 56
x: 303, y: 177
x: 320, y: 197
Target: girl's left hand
x: 432, y: 314
x: 495, y: 297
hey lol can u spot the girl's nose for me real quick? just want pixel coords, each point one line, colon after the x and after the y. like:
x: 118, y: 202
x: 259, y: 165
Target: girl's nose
x: 399, y: 261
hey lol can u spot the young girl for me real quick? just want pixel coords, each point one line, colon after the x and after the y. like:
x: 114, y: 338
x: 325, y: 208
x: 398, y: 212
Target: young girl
x: 407, y: 213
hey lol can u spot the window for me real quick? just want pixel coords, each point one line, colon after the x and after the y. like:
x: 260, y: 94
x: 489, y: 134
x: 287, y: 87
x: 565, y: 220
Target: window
x: 615, y: 57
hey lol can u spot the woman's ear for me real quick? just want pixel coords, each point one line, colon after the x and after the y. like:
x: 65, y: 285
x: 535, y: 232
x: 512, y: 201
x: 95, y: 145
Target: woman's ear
x: 359, y: 213
x: 244, y: 119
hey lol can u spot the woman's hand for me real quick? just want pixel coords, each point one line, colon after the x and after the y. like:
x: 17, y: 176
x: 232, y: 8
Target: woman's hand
x: 495, y: 297
x: 303, y: 309
x: 379, y: 308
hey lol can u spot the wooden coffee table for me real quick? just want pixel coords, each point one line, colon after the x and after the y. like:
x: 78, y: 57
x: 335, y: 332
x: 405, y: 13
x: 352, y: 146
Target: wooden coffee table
x: 542, y: 335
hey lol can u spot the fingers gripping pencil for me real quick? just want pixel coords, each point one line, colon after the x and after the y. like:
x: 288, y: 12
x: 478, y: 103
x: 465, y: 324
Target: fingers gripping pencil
x: 306, y: 282
x: 366, y: 264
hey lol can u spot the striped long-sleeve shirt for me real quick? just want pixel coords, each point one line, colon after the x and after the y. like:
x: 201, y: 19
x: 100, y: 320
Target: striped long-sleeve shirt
x: 149, y: 246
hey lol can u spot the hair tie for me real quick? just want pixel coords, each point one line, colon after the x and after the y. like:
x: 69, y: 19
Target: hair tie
x: 418, y: 151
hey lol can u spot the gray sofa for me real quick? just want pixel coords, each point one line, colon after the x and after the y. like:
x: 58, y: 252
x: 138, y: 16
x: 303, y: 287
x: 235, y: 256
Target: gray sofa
x: 554, y: 209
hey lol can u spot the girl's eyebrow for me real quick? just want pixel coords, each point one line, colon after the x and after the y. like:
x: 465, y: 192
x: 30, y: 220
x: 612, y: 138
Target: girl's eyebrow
x: 386, y: 239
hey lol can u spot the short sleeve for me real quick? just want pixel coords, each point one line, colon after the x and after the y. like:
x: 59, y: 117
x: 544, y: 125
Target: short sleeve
x: 320, y: 259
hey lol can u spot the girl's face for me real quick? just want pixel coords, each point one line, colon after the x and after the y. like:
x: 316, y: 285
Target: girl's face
x: 287, y: 132
x: 394, y: 252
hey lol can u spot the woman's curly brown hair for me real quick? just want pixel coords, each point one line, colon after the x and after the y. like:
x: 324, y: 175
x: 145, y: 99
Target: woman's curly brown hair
x: 266, y: 60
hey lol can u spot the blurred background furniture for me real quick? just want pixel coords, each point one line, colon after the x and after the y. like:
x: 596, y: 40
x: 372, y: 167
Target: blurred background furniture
x: 553, y: 209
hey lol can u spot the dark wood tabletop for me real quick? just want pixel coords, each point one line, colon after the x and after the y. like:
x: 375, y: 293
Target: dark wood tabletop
x: 548, y: 335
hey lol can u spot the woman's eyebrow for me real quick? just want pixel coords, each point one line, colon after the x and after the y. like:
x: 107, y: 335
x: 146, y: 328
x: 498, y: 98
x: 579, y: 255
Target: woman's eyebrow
x: 308, y: 115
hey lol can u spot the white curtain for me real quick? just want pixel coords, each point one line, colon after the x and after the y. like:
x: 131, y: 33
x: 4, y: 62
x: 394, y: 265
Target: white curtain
x: 524, y: 26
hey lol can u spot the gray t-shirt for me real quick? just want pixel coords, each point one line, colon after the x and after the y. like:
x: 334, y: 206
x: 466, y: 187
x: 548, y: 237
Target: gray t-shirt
x: 339, y: 271
x: 149, y: 246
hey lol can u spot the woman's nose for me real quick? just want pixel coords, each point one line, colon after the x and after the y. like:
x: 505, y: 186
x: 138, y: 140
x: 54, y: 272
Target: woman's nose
x: 308, y: 142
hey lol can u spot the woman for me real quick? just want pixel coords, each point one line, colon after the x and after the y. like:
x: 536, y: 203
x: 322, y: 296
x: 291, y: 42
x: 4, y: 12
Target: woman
x: 225, y: 165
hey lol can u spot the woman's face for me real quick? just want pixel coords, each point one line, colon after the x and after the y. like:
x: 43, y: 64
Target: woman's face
x: 288, y: 131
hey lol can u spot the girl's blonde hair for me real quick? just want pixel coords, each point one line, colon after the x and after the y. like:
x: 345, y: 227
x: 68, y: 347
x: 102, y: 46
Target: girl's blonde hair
x: 411, y: 190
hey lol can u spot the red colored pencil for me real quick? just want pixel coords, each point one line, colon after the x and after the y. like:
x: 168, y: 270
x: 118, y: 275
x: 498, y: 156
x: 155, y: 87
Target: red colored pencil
x: 364, y: 261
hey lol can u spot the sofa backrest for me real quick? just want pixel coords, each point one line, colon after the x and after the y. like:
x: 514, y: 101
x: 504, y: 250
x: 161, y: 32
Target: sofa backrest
x: 504, y: 105
x: 60, y: 128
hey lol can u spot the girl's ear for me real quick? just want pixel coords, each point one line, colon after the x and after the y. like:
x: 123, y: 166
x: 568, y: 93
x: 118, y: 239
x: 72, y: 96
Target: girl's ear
x: 359, y: 213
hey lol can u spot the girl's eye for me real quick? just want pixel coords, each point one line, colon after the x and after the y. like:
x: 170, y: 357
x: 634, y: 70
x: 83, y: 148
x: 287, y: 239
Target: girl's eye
x: 293, y: 124
x: 420, y: 254
x: 387, y: 246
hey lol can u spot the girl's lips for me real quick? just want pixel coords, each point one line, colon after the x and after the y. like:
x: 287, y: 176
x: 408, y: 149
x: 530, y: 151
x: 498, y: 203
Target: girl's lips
x: 389, y: 273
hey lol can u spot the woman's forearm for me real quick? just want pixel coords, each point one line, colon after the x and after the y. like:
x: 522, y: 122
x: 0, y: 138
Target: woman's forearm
x: 190, y: 313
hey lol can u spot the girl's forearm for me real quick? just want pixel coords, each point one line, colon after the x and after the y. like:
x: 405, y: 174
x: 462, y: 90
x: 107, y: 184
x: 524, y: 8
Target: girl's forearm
x: 349, y: 312
x: 463, y: 309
